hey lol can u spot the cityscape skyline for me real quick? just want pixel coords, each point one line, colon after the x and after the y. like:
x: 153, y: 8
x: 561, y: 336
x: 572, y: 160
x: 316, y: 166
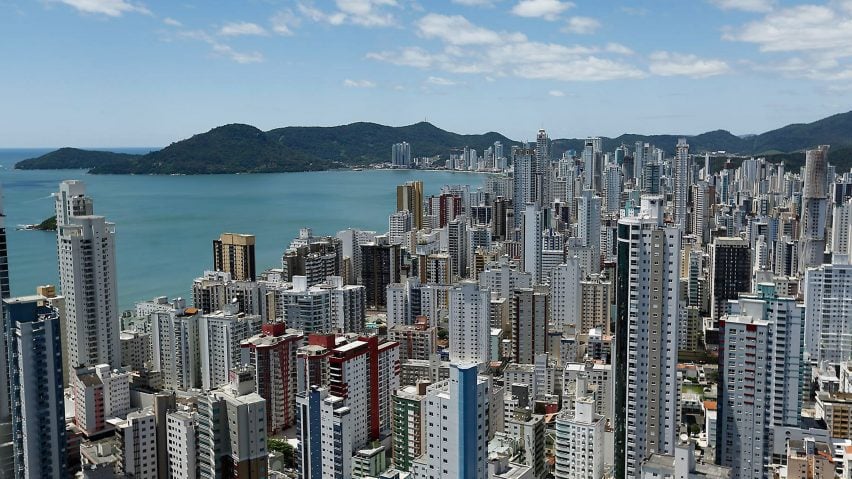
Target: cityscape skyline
x: 116, y: 73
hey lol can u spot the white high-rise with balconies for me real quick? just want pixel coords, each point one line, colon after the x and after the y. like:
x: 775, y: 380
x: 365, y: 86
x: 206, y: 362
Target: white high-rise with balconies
x: 760, y: 379
x: 87, y: 276
x: 828, y: 313
x: 457, y: 414
x: 649, y: 259
x: 567, y: 296
x: 469, y: 323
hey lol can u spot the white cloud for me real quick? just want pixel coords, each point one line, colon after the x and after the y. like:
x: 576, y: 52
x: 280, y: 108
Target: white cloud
x: 581, y: 25
x: 582, y: 69
x: 110, y: 8
x: 744, y: 5
x: 546, y: 9
x: 410, y: 57
x: 471, y: 49
x: 239, y: 57
x: 618, y: 49
x: 457, y: 30
x: 222, y: 49
x: 365, y: 13
x: 799, y: 28
x: 440, y: 81
x: 236, y: 29
x: 556, y: 93
x: 675, y: 64
x: 172, y: 22
x: 475, y: 3
x: 820, y: 37
x: 358, y: 83
x: 634, y: 11
x: 284, y: 22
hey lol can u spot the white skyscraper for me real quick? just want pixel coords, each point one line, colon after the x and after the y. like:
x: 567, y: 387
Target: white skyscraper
x: 840, y: 228
x: 613, y: 184
x: 589, y: 219
x: 828, y: 313
x: 760, y: 379
x: 566, y: 296
x: 646, y: 334
x: 87, y: 277
x: 182, y: 444
x: 457, y: 412
x: 533, y: 228
x: 138, y: 444
x: 219, y: 337
x: 681, y: 183
x: 469, y: 323
x: 579, y: 446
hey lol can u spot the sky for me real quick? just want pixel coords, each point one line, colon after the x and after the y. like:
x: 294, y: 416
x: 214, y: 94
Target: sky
x: 122, y: 73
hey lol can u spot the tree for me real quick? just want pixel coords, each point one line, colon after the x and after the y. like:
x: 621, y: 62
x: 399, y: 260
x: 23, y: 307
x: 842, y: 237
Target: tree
x: 286, y: 450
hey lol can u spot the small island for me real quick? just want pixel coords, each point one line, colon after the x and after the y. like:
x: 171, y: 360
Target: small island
x: 46, y: 225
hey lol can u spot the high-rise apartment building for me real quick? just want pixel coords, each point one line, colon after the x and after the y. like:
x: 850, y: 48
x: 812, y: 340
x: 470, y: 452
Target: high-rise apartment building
x: 566, y: 296
x: 232, y: 430
x: 175, y: 347
x: 234, y: 253
x: 530, y: 317
x: 760, y: 379
x: 828, y: 313
x: 579, y: 447
x: 534, y: 224
x: 409, y: 425
x: 380, y: 266
x: 814, y: 208
x: 469, y: 323
x: 219, y: 338
x: 88, y: 279
x: 35, y: 367
x: 271, y: 355
x: 401, y: 155
x: 457, y: 412
x: 682, y: 180
x: 182, y: 448
x: 648, y: 299
x: 730, y: 272
x: 409, y: 197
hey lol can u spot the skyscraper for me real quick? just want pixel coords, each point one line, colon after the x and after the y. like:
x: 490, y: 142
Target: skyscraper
x: 648, y: 299
x: 814, y: 208
x: 760, y: 379
x: 401, y: 155
x: 530, y: 316
x: 409, y: 197
x: 828, y: 313
x: 457, y: 412
x: 730, y: 272
x: 533, y: 228
x: 681, y: 183
x: 469, y: 323
x: 87, y: 277
x: 589, y: 222
x: 38, y: 411
x: 234, y: 253
x: 566, y: 296
x: 272, y: 357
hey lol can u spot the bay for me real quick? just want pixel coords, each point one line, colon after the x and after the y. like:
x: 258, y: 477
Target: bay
x: 165, y: 225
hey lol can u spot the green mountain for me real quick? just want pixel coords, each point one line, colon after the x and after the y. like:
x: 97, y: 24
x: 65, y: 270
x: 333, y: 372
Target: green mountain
x: 240, y: 148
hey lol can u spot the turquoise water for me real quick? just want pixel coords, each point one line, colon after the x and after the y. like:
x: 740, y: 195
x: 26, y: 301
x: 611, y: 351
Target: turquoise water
x: 165, y: 224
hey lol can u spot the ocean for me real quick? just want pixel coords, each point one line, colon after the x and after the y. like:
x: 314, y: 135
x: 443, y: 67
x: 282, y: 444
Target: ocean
x: 165, y: 225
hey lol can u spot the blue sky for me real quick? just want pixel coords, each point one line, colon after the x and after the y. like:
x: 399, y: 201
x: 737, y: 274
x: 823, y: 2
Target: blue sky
x: 107, y: 73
